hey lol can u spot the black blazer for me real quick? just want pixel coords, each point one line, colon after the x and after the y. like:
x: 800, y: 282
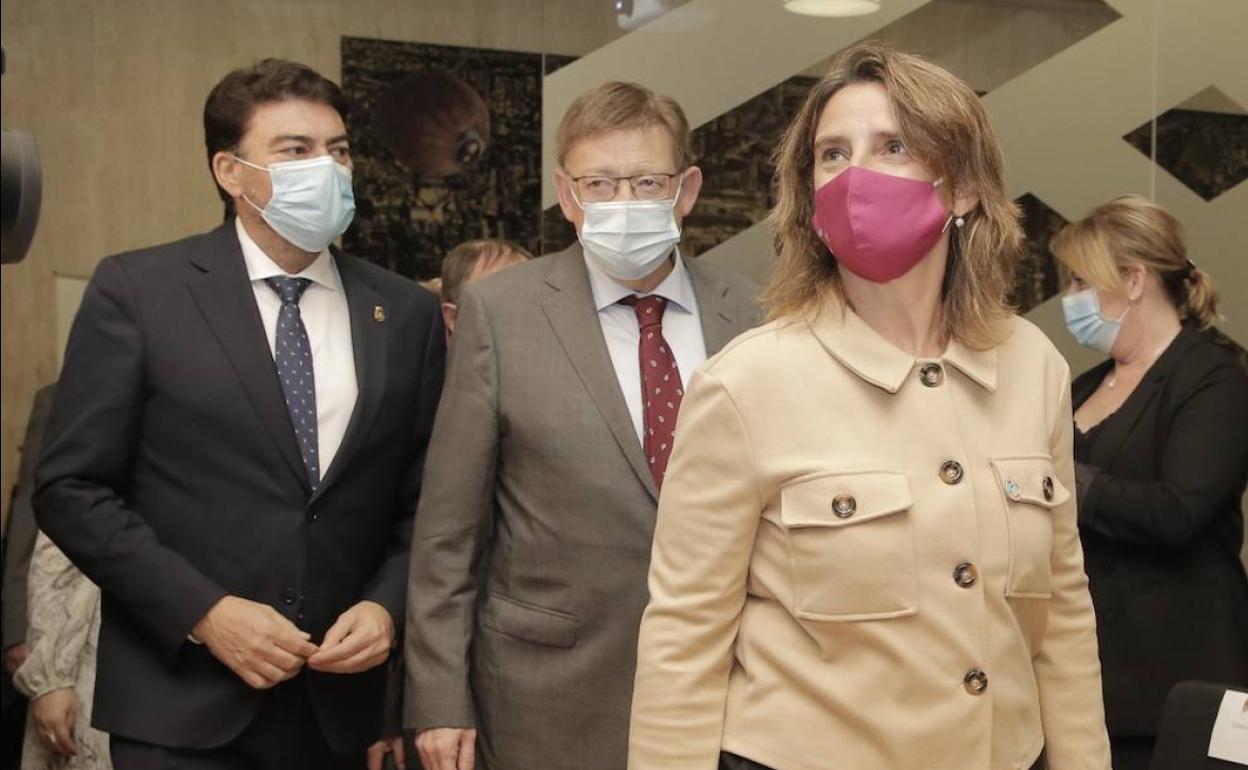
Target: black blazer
x: 1162, y: 529
x: 170, y: 476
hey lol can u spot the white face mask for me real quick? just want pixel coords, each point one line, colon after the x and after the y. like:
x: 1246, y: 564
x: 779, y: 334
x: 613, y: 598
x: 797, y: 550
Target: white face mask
x: 628, y: 240
x: 312, y: 202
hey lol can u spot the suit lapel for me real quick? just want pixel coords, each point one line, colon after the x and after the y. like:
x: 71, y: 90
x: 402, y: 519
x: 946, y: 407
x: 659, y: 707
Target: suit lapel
x: 1118, y: 426
x: 718, y: 315
x: 570, y: 310
x: 369, y: 332
x: 224, y: 296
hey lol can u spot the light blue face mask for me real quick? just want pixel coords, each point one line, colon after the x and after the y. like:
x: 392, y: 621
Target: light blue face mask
x: 1088, y: 324
x: 312, y: 201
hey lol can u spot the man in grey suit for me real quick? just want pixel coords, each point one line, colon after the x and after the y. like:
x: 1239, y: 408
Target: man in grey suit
x: 532, y: 539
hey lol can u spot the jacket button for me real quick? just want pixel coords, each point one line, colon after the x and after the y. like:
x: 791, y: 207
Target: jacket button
x: 951, y: 472
x: 288, y: 595
x: 931, y: 374
x: 1046, y: 488
x: 844, y: 506
x: 965, y: 574
x: 312, y: 516
x: 975, y: 682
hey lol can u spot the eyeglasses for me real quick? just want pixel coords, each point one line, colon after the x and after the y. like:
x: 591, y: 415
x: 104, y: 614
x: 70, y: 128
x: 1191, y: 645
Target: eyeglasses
x: 645, y: 187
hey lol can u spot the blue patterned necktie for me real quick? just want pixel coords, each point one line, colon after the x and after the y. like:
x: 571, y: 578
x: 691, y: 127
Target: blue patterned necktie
x: 293, y: 356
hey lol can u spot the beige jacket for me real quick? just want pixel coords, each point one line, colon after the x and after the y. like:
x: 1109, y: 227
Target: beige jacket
x: 865, y: 561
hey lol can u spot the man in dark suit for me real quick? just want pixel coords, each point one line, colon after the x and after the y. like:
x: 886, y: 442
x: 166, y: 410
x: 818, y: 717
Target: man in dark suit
x: 533, y: 537
x: 235, y: 450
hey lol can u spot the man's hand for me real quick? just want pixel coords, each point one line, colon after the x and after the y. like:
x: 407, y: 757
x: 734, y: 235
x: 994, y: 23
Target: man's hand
x: 52, y: 715
x: 15, y: 656
x: 360, y: 639
x: 256, y: 641
x: 447, y: 748
x: 378, y: 751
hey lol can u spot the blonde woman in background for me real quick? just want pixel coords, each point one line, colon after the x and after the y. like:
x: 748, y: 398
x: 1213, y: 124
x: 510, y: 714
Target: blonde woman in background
x: 59, y: 673
x: 866, y: 555
x: 1161, y: 450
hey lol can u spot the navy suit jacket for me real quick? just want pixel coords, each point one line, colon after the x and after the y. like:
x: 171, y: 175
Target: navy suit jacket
x: 170, y: 475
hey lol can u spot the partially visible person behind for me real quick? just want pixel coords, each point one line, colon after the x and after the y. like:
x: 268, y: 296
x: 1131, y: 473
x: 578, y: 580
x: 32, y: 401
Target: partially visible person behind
x: 866, y: 554
x: 59, y: 673
x: 1162, y: 460
x: 19, y: 544
x: 471, y: 261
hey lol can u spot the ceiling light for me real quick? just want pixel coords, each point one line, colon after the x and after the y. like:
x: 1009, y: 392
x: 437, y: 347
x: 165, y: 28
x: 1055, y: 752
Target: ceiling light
x: 832, y: 7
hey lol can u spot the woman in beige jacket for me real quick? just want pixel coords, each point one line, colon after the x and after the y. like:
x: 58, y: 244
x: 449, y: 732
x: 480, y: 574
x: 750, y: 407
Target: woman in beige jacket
x: 866, y: 555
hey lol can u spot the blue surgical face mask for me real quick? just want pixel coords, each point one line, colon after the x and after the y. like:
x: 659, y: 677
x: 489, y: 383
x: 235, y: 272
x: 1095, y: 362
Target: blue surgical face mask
x: 1088, y: 324
x: 312, y: 201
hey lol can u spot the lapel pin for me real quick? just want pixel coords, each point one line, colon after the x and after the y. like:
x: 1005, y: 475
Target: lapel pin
x: 379, y: 313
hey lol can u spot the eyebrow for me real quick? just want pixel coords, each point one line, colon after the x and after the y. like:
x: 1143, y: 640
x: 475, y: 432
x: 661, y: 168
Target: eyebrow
x: 302, y: 139
x: 826, y: 139
x: 640, y: 170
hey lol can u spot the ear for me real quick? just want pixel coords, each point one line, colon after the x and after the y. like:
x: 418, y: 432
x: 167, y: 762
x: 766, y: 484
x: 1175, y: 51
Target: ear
x: 567, y: 202
x: 690, y: 187
x: 1134, y: 278
x: 964, y: 203
x: 228, y: 173
x: 450, y: 311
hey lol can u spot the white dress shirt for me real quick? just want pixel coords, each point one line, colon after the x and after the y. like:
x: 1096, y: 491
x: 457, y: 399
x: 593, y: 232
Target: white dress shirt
x: 682, y: 328
x: 323, y: 308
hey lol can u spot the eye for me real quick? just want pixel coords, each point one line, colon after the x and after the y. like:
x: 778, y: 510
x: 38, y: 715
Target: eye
x: 598, y: 183
x: 341, y: 152
x: 895, y: 148
x: 294, y: 151
x: 833, y: 154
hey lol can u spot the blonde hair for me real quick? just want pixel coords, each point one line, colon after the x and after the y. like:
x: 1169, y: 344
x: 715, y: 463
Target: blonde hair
x: 1131, y: 230
x: 619, y: 106
x: 460, y: 261
x: 944, y: 126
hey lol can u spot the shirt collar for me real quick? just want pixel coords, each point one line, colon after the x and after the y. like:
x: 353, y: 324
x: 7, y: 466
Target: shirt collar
x: 676, y: 288
x: 864, y: 352
x: 322, y: 271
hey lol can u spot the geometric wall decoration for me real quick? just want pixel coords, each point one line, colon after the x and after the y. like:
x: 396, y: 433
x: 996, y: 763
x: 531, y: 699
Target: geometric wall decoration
x: 1036, y: 278
x: 1206, y: 151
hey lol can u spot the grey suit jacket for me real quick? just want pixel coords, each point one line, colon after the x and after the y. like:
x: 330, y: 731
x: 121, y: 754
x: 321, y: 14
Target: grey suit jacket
x: 532, y: 538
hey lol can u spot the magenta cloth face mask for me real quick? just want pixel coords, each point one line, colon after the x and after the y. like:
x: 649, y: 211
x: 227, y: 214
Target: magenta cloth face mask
x: 879, y: 226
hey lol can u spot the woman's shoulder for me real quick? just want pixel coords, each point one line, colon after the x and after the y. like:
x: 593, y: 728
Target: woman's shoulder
x: 1206, y: 357
x: 1025, y: 347
x: 774, y: 342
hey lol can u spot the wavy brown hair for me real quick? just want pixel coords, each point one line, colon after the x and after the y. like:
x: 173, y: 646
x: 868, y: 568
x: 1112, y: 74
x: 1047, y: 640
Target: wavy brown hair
x: 943, y: 126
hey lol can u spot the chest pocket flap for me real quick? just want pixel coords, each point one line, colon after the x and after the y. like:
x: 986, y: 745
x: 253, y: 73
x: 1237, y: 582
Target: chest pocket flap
x: 1030, y: 480
x: 844, y: 499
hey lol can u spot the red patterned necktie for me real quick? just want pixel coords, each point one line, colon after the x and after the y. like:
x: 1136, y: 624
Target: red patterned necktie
x: 661, y: 389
